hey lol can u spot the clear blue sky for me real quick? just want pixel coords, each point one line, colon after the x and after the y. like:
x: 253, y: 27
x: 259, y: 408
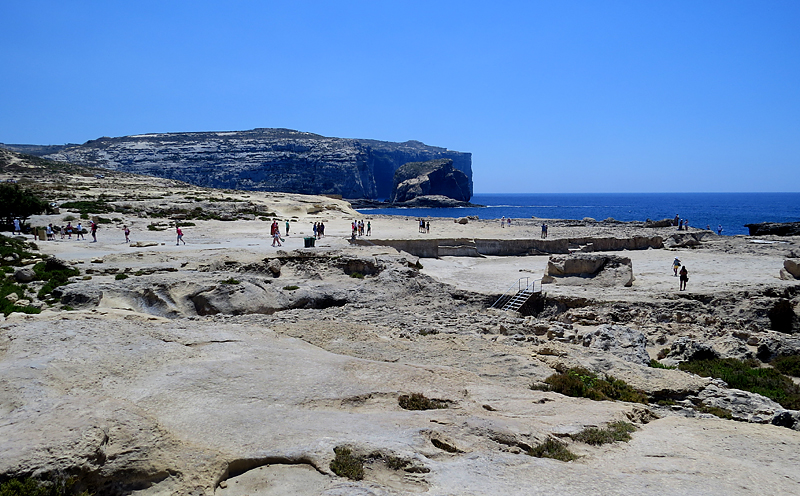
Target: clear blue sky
x: 549, y: 96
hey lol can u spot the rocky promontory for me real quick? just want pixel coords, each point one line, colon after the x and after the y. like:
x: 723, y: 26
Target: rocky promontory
x: 260, y: 160
x: 431, y: 178
x: 776, y: 228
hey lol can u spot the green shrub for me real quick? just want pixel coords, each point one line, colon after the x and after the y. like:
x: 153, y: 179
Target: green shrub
x: 59, y: 486
x: 291, y: 288
x: 582, y: 383
x: 613, y: 432
x: 418, y: 401
x: 54, y: 278
x: 749, y: 376
x: 345, y: 464
x: 230, y: 281
x: 120, y: 277
x: 553, y: 448
x: 789, y: 365
x: 357, y: 275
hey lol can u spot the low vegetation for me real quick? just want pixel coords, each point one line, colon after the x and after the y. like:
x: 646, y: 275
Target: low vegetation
x: 357, y: 275
x: 658, y: 365
x: 417, y: 401
x: 612, y: 433
x: 291, y: 288
x: 553, y: 448
x: 55, y: 274
x: 582, y: 383
x: 789, y: 365
x: 34, y: 487
x: 346, y: 464
x: 230, y: 281
x: 715, y: 410
x: 748, y: 375
x: 120, y: 277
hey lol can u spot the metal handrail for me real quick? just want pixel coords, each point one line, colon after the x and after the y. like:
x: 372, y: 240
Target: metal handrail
x: 519, y: 290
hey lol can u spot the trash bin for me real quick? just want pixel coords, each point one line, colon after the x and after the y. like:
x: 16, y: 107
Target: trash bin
x: 309, y: 242
x: 42, y: 234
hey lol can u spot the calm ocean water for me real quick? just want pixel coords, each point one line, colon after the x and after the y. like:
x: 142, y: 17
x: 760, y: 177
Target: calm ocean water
x: 732, y: 210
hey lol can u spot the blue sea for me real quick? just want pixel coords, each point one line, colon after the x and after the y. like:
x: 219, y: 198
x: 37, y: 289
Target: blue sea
x: 731, y: 210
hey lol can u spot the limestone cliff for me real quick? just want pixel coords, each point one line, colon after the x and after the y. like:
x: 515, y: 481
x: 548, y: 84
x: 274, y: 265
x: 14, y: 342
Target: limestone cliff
x: 434, y: 177
x: 260, y: 159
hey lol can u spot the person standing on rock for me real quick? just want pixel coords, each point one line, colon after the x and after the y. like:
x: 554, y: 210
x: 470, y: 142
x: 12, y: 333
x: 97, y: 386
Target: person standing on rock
x: 180, y: 235
x: 719, y: 230
x: 676, y: 264
x: 684, y: 278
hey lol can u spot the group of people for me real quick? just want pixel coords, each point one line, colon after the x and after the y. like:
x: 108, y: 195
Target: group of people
x: 683, y: 224
x: 544, y: 230
x: 680, y: 270
x: 275, y: 232
x: 319, y: 230
x: 69, y: 229
x: 503, y: 221
x: 358, y: 228
x: 424, y: 227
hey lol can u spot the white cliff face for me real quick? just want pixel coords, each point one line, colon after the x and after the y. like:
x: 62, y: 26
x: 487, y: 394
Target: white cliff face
x: 261, y: 160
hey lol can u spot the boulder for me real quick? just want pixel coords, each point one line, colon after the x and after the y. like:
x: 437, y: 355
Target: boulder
x: 620, y: 341
x: 274, y: 266
x: 743, y: 405
x: 434, y: 177
x: 461, y: 220
x: 54, y: 263
x: 685, y: 349
x: 24, y: 275
x: 582, y: 268
x: 684, y: 239
x: 792, y: 266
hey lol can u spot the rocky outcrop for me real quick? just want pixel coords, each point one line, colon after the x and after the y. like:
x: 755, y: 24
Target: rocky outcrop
x: 604, y: 270
x: 775, y: 228
x: 434, y: 177
x: 791, y: 269
x: 262, y: 160
x: 620, y: 341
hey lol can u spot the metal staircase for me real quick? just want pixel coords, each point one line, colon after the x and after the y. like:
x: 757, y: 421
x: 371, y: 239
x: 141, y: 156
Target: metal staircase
x: 517, y: 295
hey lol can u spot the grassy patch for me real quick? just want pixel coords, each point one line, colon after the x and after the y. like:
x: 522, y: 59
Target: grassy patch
x: 357, y: 275
x: 553, y: 448
x: 789, y: 365
x: 715, y: 410
x: 747, y: 375
x: 428, y: 332
x: 230, y: 281
x: 120, y: 277
x: 89, y: 206
x: 346, y: 464
x: 613, y: 432
x: 418, y: 401
x: 291, y: 288
x: 582, y: 383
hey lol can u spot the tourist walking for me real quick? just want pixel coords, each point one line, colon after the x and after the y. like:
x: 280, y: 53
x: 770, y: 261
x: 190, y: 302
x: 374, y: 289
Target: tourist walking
x: 287, y: 228
x: 79, y: 231
x: 180, y: 236
x: 684, y: 278
x: 127, y: 233
x: 50, y: 235
x: 93, y: 231
x: 676, y: 264
x: 69, y: 230
x: 428, y: 227
x: 17, y: 227
x: 369, y: 229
